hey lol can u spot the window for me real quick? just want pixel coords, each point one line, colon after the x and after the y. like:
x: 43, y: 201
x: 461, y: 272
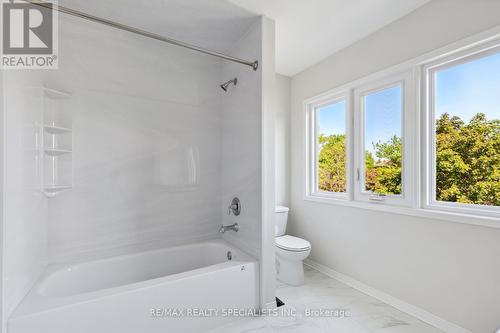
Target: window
x: 331, y: 143
x: 328, y: 144
x: 380, y: 109
x: 464, y: 125
x: 423, y: 135
x: 383, y: 147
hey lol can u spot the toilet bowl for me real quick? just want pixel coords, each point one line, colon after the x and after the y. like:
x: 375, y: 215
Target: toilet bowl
x: 290, y: 251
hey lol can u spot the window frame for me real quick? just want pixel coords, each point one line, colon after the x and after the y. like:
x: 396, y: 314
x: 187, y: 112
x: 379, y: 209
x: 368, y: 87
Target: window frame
x: 418, y: 132
x: 428, y: 158
x: 312, y: 147
x: 404, y: 80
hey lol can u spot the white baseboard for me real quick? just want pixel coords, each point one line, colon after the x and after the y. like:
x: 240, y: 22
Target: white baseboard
x: 412, y: 310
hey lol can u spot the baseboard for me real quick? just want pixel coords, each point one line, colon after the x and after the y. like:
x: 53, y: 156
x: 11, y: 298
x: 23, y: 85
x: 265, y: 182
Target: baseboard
x: 412, y: 310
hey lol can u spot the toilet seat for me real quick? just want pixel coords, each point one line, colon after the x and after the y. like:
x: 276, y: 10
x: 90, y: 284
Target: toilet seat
x: 293, y: 244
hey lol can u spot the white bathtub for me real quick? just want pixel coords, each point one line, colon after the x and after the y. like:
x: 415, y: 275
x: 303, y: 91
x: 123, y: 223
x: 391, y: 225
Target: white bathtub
x: 154, y: 291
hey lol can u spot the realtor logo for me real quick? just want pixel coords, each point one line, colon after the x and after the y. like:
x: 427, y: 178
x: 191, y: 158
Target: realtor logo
x: 29, y: 36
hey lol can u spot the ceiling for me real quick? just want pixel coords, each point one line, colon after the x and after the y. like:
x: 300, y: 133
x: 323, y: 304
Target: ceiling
x: 308, y: 31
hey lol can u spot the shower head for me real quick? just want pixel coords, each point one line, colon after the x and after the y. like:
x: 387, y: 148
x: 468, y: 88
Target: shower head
x: 225, y: 85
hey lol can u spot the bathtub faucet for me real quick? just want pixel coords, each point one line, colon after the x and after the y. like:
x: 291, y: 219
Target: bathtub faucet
x: 225, y: 228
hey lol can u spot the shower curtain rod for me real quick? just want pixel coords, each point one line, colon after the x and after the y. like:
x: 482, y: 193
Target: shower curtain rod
x: 69, y: 11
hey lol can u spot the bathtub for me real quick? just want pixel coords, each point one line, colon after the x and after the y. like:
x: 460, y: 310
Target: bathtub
x: 190, y: 288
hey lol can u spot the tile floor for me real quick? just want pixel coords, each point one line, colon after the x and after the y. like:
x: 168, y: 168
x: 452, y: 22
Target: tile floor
x: 366, y: 314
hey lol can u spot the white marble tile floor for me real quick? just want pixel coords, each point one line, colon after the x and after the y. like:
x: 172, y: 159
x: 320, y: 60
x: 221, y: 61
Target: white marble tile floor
x: 365, y: 314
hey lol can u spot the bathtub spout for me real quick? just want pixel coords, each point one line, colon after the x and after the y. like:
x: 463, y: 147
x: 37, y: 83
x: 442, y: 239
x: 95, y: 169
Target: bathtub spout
x: 225, y: 228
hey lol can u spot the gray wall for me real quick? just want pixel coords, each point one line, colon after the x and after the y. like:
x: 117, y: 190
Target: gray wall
x: 146, y: 142
x: 25, y: 210
x: 241, y: 109
x: 282, y: 144
x: 451, y: 270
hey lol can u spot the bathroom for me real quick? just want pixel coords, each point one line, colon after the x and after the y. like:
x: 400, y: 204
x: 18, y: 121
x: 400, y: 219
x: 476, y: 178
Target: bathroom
x: 165, y: 167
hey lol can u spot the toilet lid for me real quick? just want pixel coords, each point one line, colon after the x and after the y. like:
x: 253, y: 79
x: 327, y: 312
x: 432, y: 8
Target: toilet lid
x: 291, y: 243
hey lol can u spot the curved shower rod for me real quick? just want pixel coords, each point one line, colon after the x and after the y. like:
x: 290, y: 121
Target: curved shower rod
x: 69, y: 11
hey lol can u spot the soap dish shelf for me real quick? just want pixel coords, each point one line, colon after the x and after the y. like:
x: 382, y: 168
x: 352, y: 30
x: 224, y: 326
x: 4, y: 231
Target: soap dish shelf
x: 56, y: 151
x: 56, y: 129
x: 53, y: 190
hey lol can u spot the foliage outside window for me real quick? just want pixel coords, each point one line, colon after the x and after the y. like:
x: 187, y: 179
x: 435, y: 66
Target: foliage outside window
x: 332, y: 163
x: 460, y: 141
x: 384, y: 166
x: 468, y: 160
x: 383, y: 144
x: 467, y: 132
x: 332, y: 148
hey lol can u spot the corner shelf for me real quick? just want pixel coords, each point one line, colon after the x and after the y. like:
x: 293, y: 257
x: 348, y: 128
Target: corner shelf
x: 56, y: 142
x: 56, y: 129
x: 56, y: 152
x: 53, y: 190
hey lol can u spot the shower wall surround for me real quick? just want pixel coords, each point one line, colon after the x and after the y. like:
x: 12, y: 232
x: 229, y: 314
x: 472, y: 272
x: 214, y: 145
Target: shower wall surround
x: 158, y: 151
x: 25, y: 207
x: 241, y: 144
x: 248, y: 152
x: 146, y: 141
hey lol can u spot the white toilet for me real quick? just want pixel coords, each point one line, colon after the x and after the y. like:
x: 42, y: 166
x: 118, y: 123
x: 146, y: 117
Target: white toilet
x: 290, y: 251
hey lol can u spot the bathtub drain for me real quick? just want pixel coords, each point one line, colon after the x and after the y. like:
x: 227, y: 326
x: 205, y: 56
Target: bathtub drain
x: 229, y: 255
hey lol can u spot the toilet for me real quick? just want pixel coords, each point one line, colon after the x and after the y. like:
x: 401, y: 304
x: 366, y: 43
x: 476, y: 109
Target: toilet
x: 290, y: 251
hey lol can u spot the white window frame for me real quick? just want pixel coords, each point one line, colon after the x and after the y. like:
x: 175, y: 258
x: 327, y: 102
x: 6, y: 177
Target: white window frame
x: 429, y: 139
x: 312, y: 147
x: 417, y: 137
x: 407, y: 95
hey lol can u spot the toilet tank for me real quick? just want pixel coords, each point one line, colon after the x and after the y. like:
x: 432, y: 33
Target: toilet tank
x: 281, y: 218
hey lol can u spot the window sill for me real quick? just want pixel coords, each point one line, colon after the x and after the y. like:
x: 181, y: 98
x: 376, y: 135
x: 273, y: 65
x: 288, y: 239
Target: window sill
x: 478, y: 220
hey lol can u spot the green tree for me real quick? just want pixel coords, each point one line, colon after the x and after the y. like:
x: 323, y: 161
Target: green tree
x: 383, y: 175
x: 332, y: 163
x: 468, y: 160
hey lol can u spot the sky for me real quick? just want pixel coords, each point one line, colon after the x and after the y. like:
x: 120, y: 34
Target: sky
x: 461, y: 90
x: 470, y: 88
x: 332, y: 118
x: 382, y: 117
